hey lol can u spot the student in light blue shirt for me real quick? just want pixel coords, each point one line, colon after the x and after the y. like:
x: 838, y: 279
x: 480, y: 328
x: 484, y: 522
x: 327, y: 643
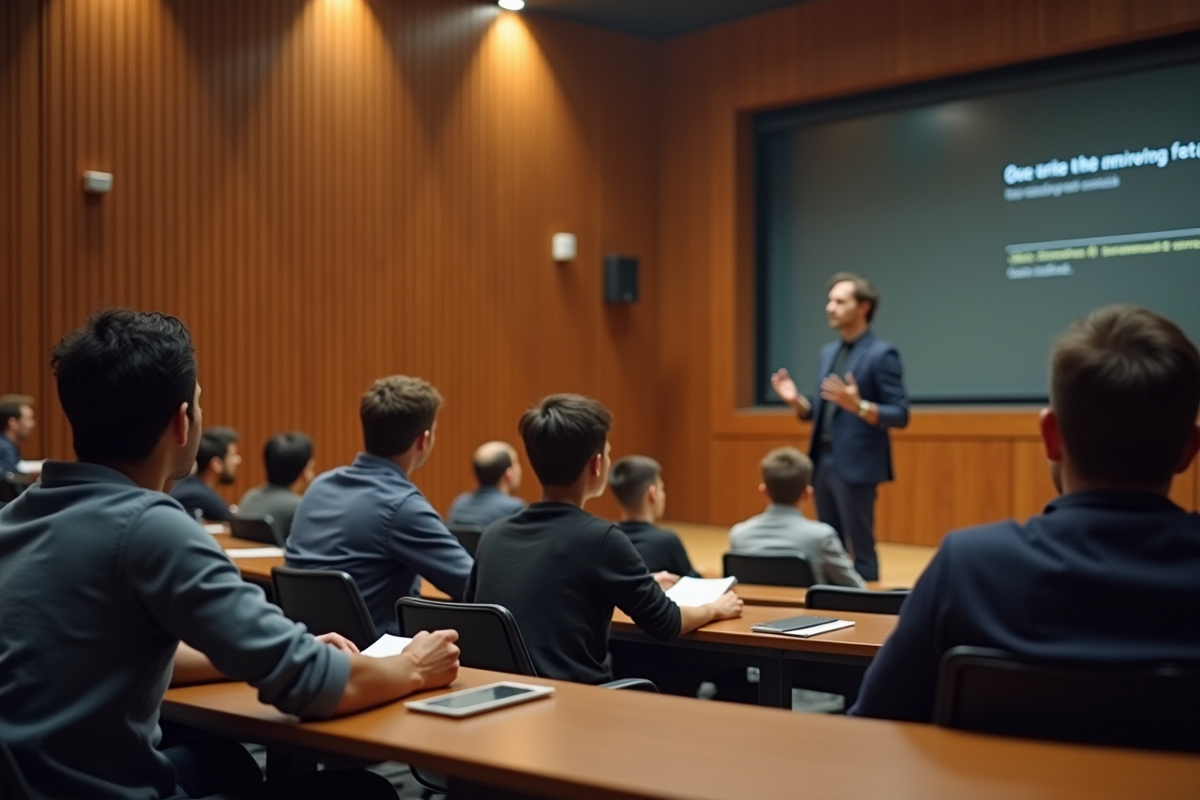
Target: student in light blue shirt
x: 104, y: 578
x: 369, y: 520
x: 498, y: 470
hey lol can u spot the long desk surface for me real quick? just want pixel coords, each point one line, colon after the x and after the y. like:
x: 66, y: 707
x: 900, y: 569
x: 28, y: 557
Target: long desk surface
x: 588, y: 742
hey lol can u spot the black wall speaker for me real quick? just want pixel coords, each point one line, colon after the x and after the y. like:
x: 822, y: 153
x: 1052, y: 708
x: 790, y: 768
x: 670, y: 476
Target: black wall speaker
x: 620, y: 279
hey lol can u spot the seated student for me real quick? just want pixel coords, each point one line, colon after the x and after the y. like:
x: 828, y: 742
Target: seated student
x: 784, y: 530
x: 217, y: 462
x: 290, y: 469
x: 560, y: 570
x: 638, y: 485
x: 370, y: 520
x: 16, y: 423
x: 1109, y: 575
x: 103, y: 575
x: 498, y: 471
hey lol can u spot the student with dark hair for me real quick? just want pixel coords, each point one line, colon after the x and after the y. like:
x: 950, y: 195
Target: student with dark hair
x: 784, y: 530
x: 217, y: 462
x: 16, y: 423
x: 104, y: 577
x: 1124, y: 393
x: 290, y: 469
x: 562, y: 571
x: 369, y: 520
x: 498, y: 471
x: 637, y: 483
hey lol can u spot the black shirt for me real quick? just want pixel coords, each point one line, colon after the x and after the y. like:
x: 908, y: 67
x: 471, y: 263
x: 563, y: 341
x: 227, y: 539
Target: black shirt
x: 194, y: 493
x: 659, y: 548
x: 561, y: 571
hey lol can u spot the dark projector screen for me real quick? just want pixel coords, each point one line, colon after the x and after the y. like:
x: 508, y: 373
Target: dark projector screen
x: 988, y: 222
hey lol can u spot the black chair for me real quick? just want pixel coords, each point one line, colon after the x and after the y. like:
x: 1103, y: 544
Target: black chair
x: 10, y: 487
x: 12, y: 782
x: 792, y: 570
x: 325, y: 601
x: 256, y: 529
x: 992, y: 691
x: 468, y: 535
x: 846, y: 598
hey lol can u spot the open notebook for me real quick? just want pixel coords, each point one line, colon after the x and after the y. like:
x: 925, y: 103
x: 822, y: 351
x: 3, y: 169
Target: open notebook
x: 699, y: 591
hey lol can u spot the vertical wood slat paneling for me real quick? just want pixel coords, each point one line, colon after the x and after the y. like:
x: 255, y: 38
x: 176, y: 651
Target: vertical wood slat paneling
x: 946, y: 477
x: 328, y: 191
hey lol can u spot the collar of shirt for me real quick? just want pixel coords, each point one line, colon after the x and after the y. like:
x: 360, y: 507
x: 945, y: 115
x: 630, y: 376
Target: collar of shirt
x: 1114, y: 500
x: 66, y: 473
x: 370, y: 463
x: 784, y: 510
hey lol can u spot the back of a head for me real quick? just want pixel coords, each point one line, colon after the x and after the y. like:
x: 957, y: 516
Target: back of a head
x: 121, y: 377
x: 491, y: 461
x: 631, y: 477
x: 394, y: 412
x: 1125, y: 386
x: 786, y: 472
x: 286, y: 456
x: 561, y: 435
x: 214, y: 443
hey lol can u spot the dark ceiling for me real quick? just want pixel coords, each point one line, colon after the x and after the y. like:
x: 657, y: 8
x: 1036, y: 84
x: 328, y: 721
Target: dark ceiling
x: 654, y: 19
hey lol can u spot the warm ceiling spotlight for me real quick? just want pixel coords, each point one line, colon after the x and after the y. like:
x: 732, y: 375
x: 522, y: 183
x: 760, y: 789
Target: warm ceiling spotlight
x: 511, y: 5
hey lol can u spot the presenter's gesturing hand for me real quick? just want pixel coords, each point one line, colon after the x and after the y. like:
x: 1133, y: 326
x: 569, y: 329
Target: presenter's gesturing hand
x: 785, y: 387
x: 846, y: 396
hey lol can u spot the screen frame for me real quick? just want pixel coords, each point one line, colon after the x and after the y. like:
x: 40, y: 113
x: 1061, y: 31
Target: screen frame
x: 1122, y: 59
x: 432, y: 705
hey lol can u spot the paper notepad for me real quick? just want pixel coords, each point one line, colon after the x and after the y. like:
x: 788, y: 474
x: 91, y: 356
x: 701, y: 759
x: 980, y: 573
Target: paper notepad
x: 699, y: 591
x: 387, y: 645
x: 802, y: 626
x: 215, y: 528
x: 255, y: 552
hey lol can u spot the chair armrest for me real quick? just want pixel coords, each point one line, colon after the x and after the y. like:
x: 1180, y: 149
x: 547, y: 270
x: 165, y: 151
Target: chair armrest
x: 632, y: 684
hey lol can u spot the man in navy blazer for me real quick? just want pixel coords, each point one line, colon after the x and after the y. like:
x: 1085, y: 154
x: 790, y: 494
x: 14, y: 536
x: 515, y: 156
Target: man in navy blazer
x: 851, y: 417
x: 1109, y: 575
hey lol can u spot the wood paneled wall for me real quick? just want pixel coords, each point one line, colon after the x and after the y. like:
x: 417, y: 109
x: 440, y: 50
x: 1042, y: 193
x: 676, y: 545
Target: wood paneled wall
x: 954, y: 467
x: 328, y: 191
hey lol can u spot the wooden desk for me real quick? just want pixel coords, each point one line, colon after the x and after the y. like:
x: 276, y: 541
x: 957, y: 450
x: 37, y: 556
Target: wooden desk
x: 833, y: 660
x: 593, y: 743
x: 256, y: 570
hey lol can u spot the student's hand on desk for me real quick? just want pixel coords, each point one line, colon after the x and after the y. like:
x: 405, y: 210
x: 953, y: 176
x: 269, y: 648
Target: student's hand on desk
x: 434, y: 657
x: 338, y: 641
x: 666, y: 579
x: 727, y: 606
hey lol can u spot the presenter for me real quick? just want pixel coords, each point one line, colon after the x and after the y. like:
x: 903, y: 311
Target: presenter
x: 860, y: 394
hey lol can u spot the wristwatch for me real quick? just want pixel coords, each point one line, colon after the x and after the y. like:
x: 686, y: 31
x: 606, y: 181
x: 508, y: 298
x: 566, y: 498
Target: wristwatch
x: 864, y: 408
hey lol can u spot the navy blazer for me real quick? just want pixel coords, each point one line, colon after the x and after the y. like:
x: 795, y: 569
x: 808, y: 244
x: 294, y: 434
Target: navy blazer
x: 864, y: 452
x: 1101, y: 578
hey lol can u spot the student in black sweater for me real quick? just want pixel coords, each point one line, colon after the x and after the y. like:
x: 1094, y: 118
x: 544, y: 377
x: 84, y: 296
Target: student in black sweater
x: 638, y: 485
x: 560, y: 570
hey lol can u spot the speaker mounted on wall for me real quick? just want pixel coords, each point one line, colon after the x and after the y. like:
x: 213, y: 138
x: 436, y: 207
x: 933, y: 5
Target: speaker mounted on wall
x: 620, y: 278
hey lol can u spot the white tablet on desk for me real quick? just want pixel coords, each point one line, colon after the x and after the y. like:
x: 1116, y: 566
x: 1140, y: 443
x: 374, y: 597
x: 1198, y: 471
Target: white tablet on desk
x: 469, y: 702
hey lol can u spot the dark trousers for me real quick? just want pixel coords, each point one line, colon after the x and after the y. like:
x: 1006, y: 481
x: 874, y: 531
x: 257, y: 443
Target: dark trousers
x: 850, y: 509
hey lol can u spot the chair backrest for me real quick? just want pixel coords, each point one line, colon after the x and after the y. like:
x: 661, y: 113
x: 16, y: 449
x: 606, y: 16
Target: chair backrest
x: 846, y: 598
x: 10, y: 487
x: 992, y: 691
x: 255, y: 528
x: 488, y: 635
x: 12, y: 782
x: 325, y: 601
x: 792, y: 570
x: 468, y: 535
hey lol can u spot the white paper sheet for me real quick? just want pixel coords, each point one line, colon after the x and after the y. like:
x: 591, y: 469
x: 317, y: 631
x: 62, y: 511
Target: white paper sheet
x: 387, y: 645
x: 254, y: 552
x: 699, y: 591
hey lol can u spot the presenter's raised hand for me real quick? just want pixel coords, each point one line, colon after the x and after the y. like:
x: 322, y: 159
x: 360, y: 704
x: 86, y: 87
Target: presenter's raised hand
x: 844, y: 394
x: 785, y: 387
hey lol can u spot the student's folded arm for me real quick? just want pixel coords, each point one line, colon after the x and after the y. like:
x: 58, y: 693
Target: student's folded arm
x: 901, y: 682
x: 421, y: 540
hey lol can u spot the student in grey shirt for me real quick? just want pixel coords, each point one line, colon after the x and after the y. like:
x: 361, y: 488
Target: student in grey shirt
x: 104, y: 577
x: 498, y: 471
x: 290, y: 469
x: 784, y: 530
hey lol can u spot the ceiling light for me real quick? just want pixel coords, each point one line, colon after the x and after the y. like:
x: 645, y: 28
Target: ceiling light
x: 511, y: 5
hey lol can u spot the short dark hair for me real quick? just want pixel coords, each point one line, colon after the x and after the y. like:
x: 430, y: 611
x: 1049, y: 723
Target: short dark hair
x: 864, y: 290
x: 286, y: 456
x: 121, y: 377
x: 1125, y: 386
x: 561, y: 435
x: 394, y: 412
x: 786, y: 472
x: 214, y: 443
x: 631, y: 477
x: 10, y: 407
x: 489, y: 471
